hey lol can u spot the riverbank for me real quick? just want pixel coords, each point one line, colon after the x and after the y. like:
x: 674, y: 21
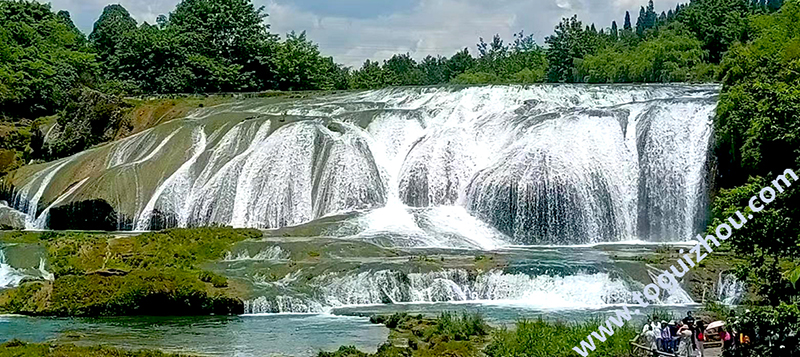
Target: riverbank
x: 16, y: 348
x: 469, y: 335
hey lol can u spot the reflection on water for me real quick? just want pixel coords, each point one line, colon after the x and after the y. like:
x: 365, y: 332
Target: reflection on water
x: 273, y: 335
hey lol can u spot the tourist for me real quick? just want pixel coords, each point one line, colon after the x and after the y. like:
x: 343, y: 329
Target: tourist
x: 700, y: 337
x: 685, y: 338
x: 727, y: 339
x: 649, y: 339
x: 666, y: 337
x: 675, y: 338
x: 689, y: 319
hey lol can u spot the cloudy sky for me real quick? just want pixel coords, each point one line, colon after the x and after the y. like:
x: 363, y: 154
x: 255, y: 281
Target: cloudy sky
x: 354, y: 30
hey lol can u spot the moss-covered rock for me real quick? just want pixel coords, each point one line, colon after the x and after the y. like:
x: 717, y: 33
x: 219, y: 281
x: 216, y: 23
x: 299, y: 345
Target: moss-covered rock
x: 150, y: 274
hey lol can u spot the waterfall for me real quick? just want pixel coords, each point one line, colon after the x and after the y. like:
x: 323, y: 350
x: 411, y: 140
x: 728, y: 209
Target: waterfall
x: 582, y: 290
x: 9, y: 277
x: 730, y: 290
x: 433, y: 166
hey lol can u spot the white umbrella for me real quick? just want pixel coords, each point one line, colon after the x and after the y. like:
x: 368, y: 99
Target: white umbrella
x: 715, y: 324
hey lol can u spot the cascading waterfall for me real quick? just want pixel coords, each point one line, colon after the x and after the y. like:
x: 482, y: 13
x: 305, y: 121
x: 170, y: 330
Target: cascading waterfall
x: 583, y: 290
x: 730, y: 290
x: 9, y: 277
x: 455, y: 167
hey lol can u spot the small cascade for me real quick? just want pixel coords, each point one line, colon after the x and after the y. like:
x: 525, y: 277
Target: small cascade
x: 9, y: 277
x: 678, y: 296
x: 274, y: 253
x: 581, y: 290
x: 730, y: 290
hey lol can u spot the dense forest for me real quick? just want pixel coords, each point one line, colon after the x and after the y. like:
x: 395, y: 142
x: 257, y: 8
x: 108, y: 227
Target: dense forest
x: 49, y: 70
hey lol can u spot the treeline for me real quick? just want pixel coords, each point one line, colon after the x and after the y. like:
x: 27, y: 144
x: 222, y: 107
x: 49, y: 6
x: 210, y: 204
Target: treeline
x: 205, y: 46
x: 226, y: 46
x: 757, y: 138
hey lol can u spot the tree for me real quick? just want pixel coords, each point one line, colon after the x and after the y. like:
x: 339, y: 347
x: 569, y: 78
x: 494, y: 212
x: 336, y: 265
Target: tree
x: 627, y: 26
x: 434, y: 70
x: 299, y: 64
x: 459, y: 63
x: 569, y: 44
x: 614, y: 30
x: 670, y: 56
x: 647, y: 19
x: 402, y: 70
x: 42, y: 57
x: 224, y: 33
x: 718, y: 23
x: 369, y: 76
x: 108, y: 30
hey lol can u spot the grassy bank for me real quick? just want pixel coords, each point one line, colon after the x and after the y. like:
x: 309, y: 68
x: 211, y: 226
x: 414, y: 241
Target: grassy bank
x: 150, y: 274
x: 469, y: 335
x: 16, y: 348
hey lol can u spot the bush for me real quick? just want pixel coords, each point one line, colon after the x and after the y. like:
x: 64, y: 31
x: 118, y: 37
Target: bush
x: 546, y: 339
x: 456, y: 328
x: 773, y: 331
x: 89, y: 118
x: 216, y: 280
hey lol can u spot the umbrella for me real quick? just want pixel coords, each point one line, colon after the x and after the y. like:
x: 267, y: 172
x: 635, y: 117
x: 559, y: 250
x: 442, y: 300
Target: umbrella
x: 715, y: 324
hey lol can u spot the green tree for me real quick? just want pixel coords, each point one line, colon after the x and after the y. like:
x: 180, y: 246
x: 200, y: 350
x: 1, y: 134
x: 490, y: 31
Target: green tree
x: 369, y: 76
x: 300, y: 65
x: 627, y: 26
x: 108, y: 30
x: 402, y: 70
x: 569, y: 44
x: 614, y: 30
x: 673, y: 55
x: 718, y: 23
x: 41, y: 58
x: 225, y: 33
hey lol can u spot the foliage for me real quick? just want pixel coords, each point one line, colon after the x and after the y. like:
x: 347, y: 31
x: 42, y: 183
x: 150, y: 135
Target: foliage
x: 89, y: 118
x: 17, y: 348
x: 149, y: 274
x: 671, y: 56
x: 569, y: 44
x: 300, y: 66
x: 216, y: 280
x: 42, y: 57
x: 757, y: 139
x: 539, y: 338
x: 772, y: 331
x: 718, y: 24
x: 113, y: 23
x: 452, y: 327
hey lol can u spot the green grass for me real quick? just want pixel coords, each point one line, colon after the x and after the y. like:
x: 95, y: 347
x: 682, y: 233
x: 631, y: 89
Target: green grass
x: 16, y: 348
x: 468, y: 335
x: 540, y: 338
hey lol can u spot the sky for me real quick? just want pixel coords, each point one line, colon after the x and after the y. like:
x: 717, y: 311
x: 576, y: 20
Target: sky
x: 355, y: 30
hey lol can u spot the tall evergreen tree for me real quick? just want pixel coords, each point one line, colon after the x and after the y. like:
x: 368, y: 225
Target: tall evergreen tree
x: 641, y: 22
x: 627, y: 25
x: 614, y: 30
